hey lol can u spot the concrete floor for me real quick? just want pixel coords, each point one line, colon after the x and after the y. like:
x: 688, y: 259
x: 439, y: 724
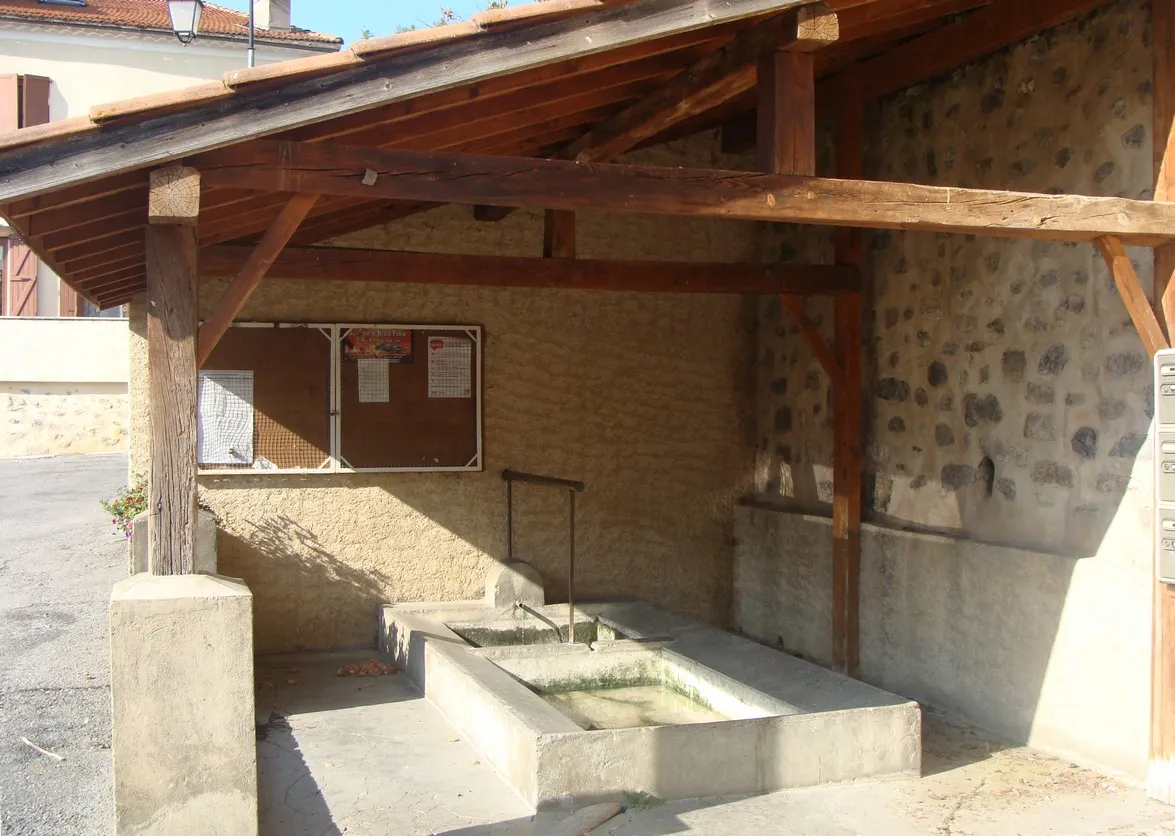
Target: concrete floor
x: 370, y: 757
x: 59, y: 557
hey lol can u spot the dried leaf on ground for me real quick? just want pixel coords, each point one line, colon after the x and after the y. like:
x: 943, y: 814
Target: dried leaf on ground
x: 372, y: 668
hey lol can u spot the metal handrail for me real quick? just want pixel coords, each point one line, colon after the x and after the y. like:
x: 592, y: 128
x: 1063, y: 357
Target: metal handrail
x: 572, y: 487
x: 545, y: 481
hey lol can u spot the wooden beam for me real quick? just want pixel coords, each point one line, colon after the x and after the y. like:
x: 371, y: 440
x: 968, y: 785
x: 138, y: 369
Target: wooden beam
x: 711, y: 81
x: 346, y: 264
x: 995, y: 26
x: 171, y: 361
x: 39, y: 169
x: 253, y: 270
x: 787, y: 113
x: 174, y: 196
x: 1137, y: 304
x: 828, y: 360
x: 559, y: 234
x: 269, y: 165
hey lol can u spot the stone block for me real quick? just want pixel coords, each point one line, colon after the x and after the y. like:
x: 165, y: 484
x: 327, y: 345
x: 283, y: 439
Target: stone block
x: 514, y: 580
x: 205, y: 557
x: 181, y: 679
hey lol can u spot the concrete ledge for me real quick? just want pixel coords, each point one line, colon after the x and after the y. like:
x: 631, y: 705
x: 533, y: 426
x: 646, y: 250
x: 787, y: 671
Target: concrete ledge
x: 181, y: 679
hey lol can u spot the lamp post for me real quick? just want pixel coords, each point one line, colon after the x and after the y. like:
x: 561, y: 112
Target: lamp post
x: 185, y: 18
x: 185, y: 23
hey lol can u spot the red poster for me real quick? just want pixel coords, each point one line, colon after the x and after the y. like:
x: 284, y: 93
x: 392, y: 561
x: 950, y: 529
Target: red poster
x: 393, y: 345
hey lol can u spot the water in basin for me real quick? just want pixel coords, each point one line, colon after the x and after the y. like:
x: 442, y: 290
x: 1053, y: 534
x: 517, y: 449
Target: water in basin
x: 630, y: 706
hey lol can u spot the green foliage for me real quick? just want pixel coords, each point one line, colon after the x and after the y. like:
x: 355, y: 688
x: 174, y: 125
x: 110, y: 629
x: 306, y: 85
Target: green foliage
x: 446, y: 16
x: 127, y: 504
x: 364, y: 33
x: 637, y: 801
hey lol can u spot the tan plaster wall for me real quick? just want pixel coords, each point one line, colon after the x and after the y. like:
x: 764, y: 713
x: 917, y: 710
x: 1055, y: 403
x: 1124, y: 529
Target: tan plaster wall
x: 49, y: 419
x: 646, y: 397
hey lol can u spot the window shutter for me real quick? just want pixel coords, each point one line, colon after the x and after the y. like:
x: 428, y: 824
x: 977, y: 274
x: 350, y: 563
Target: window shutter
x: 21, y: 271
x: 24, y: 102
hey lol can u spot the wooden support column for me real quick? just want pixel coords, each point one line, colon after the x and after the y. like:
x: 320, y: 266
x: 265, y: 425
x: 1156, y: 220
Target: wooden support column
x: 171, y: 360
x: 1160, y: 782
x: 848, y: 427
x: 559, y: 234
x: 787, y: 145
x: 787, y: 113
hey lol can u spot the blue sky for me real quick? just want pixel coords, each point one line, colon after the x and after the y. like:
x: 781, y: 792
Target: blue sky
x: 347, y: 18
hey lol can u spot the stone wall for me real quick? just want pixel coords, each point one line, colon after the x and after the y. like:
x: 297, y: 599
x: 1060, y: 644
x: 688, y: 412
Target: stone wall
x: 1010, y: 391
x: 40, y: 419
x: 646, y: 397
x: 1009, y: 407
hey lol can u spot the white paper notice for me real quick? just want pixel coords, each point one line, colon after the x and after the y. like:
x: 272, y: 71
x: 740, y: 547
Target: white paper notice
x: 224, y: 407
x: 373, y: 380
x: 450, y: 373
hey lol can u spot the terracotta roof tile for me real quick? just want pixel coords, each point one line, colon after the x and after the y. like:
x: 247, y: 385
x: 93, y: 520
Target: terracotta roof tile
x: 125, y: 11
x: 151, y: 15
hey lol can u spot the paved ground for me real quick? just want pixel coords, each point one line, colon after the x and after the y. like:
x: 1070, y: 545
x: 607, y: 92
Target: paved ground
x: 58, y: 560
x: 369, y: 757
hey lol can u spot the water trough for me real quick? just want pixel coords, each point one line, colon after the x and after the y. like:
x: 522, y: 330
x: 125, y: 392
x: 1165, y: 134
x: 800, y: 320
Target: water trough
x: 645, y: 701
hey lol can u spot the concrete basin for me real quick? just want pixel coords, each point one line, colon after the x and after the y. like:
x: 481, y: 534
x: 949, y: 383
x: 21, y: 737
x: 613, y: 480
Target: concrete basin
x: 763, y: 720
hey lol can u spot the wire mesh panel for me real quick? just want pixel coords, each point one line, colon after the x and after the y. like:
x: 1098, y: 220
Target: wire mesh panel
x: 290, y: 369
x: 224, y: 409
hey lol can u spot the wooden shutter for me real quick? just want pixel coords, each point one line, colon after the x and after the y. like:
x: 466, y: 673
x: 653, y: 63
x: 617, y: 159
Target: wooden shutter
x: 24, y: 101
x: 21, y: 272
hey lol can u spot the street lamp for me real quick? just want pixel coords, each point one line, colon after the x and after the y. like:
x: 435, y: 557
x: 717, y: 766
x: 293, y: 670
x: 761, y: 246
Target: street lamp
x: 185, y: 18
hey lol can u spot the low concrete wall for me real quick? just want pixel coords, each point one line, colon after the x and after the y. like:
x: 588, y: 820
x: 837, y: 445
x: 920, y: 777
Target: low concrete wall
x: 63, y: 386
x: 829, y: 728
x: 1038, y: 648
x: 181, y: 681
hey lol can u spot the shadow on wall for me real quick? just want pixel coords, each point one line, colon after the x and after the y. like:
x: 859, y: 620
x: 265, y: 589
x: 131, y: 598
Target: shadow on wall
x: 290, y: 572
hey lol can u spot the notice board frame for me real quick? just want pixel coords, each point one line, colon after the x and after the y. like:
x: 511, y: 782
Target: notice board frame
x: 336, y: 463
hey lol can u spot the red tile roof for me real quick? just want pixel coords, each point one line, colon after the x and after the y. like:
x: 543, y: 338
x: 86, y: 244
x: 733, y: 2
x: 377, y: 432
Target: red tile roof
x: 151, y: 16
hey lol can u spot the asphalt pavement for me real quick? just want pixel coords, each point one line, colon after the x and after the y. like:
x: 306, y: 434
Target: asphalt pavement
x: 59, y: 557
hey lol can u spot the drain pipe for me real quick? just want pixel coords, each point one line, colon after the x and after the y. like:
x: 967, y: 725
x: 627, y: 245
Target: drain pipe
x: 526, y: 608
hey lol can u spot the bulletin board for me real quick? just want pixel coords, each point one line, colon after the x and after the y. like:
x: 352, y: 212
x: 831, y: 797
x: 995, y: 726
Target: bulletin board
x: 409, y: 398
x: 341, y: 397
x: 290, y: 367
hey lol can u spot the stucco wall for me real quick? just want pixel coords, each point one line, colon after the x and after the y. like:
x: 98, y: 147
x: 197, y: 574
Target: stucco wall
x: 63, y: 386
x: 646, y: 397
x: 1010, y: 406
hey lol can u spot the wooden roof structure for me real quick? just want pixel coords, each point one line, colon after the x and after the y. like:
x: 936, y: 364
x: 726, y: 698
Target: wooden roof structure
x: 525, y: 107
x: 533, y: 81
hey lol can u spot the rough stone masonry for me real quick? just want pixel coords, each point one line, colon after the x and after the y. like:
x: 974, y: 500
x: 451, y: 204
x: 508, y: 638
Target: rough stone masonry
x: 1010, y: 393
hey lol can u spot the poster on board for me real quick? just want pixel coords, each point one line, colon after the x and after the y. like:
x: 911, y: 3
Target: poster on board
x: 224, y: 417
x: 391, y: 344
x: 450, y: 367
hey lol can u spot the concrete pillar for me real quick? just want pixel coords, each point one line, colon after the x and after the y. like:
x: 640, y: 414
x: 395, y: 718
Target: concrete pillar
x: 204, y: 560
x: 181, y: 677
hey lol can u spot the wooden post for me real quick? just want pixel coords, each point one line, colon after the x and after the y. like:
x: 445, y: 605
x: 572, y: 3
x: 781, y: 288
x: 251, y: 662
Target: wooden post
x: 171, y: 362
x: 787, y: 113
x: 787, y: 145
x: 849, y: 419
x: 1161, y: 768
x: 558, y: 234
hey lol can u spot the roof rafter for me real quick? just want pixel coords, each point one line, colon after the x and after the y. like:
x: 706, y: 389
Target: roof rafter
x: 25, y: 172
